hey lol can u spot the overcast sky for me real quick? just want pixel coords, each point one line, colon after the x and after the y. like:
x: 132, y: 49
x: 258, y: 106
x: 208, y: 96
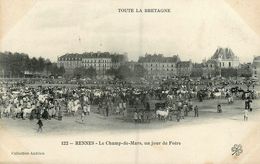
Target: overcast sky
x: 194, y: 29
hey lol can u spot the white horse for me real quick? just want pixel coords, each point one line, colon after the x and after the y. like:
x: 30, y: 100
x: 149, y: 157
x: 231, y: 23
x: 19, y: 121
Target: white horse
x: 217, y: 94
x: 193, y: 94
x: 74, y: 106
x: 230, y: 100
x: 97, y: 93
x: 28, y: 110
x: 52, y: 112
x: 42, y: 98
x: 7, y: 110
x: 15, y: 111
x: 161, y: 114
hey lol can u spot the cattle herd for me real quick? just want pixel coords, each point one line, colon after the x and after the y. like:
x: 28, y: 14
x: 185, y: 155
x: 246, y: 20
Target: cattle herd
x: 139, y: 104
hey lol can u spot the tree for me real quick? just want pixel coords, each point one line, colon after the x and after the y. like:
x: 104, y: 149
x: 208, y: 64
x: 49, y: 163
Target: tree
x: 111, y: 72
x: 34, y: 64
x: 91, y: 72
x: 139, y: 71
x: 48, y: 66
x: 15, y: 64
x: 228, y: 72
x: 197, y: 72
x: 79, y: 72
x: 40, y: 64
x: 56, y: 71
x: 124, y: 72
x: 245, y: 71
x: 61, y: 71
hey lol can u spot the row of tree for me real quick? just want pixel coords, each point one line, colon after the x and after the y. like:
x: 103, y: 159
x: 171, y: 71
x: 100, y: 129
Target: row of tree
x: 20, y: 64
x: 224, y: 72
x: 122, y: 72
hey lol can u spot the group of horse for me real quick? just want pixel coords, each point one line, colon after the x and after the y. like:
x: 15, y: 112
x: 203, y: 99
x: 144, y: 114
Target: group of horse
x: 165, y: 112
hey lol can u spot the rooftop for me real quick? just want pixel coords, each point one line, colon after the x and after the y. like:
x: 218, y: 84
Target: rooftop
x: 159, y: 58
x: 75, y: 56
x: 224, y: 53
x: 184, y: 64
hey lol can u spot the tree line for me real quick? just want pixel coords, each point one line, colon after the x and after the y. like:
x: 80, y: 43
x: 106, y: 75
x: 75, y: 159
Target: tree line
x: 21, y: 65
x: 122, y: 72
x: 245, y: 71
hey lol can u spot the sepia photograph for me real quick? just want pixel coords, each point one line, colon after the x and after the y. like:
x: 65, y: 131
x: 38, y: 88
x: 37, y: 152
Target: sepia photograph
x: 140, y: 81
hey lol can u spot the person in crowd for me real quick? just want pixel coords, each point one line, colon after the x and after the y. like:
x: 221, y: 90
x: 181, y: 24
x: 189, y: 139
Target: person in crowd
x: 140, y: 116
x: 107, y: 109
x: 219, y: 109
x: 178, y: 115
x: 40, y: 125
x: 185, y: 108
x: 196, y: 111
x: 245, y: 114
x: 88, y: 109
x: 247, y: 103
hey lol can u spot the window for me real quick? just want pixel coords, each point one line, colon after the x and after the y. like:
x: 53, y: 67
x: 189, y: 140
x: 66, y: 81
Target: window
x: 229, y: 64
x: 223, y: 64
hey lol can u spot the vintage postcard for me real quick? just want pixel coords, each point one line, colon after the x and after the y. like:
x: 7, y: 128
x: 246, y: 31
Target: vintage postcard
x: 130, y: 81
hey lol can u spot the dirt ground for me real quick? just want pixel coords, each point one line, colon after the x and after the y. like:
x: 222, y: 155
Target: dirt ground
x: 206, y: 139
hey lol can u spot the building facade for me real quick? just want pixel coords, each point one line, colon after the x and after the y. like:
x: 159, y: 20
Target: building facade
x: 118, y: 60
x: 225, y: 58
x: 212, y: 68
x: 158, y: 66
x: 100, y: 61
x: 256, y: 67
x: 184, y: 68
x: 70, y: 61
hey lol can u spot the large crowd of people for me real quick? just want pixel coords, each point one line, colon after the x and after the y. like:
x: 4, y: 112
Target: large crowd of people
x: 140, y: 104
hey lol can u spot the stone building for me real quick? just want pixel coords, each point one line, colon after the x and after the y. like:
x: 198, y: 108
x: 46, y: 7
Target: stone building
x: 100, y: 61
x: 158, y: 66
x: 225, y: 58
x: 212, y: 68
x: 184, y: 68
x: 70, y: 61
x: 256, y: 67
